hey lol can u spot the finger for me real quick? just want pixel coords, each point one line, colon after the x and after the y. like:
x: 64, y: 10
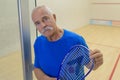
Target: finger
x: 96, y: 55
x: 92, y: 52
x: 96, y: 50
x: 96, y: 65
x: 99, y: 63
x: 98, y: 59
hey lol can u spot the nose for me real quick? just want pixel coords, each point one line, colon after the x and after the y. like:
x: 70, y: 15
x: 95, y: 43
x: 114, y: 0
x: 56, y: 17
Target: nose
x: 43, y: 24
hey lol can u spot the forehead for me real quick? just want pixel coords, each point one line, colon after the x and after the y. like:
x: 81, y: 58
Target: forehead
x: 38, y: 13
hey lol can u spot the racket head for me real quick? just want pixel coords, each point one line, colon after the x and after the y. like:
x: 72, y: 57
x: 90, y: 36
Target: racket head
x: 72, y: 66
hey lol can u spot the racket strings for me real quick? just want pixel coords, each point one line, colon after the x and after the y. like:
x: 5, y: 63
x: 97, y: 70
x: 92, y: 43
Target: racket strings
x: 76, y: 51
x: 72, y: 67
x: 66, y: 76
x: 81, y: 52
x: 73, y: 56
x: 85, y: 54
x: 77, y: 59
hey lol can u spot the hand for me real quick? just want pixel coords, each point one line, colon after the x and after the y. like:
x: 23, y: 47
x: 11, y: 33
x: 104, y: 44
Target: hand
x: 97, y: 56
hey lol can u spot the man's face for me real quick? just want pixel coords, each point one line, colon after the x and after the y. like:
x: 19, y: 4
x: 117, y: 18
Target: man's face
x: 44, y: 21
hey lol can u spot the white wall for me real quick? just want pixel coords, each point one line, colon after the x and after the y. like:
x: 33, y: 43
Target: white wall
x: 9, y: 26
x: 106, y: 10
x: 9, y: 29
x: 106, y: 1
x: 71, y: 14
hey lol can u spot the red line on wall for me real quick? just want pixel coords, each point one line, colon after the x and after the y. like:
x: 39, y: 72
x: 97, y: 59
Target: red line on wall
x: 106, y: 3
x: 106, y: 20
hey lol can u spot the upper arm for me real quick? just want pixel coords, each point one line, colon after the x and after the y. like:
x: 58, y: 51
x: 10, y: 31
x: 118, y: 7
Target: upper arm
x: 40, y: 75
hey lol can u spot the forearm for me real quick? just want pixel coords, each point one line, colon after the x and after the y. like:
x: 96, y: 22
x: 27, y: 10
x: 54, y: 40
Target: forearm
x: 41, y: 76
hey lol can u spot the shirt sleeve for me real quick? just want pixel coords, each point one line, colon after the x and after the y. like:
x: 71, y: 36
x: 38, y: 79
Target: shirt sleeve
x: 82, y: 41
x: 36, y: 63
x: 86, y: 53
x: 36, y: 60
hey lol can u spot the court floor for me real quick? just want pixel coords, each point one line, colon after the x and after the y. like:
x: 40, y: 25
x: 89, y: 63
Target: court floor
x: 105, y: 38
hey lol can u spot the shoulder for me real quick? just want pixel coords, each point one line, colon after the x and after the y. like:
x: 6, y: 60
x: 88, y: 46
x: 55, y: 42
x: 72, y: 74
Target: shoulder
x: 38, y: 40
x: 72, y: 34
x: 75, y: 38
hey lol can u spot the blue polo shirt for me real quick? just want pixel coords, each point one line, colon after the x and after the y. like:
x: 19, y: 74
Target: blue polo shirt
x: 49, y: 55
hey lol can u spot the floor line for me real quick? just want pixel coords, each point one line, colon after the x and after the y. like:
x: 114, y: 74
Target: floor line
x: 114, y: 68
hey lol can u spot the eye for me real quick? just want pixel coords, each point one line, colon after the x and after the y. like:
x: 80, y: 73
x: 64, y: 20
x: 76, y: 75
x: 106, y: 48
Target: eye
x: 45, y: 19
x: 37, y: 23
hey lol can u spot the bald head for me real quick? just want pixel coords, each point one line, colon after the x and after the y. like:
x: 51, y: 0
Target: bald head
x: 42, y: 11
x: 42, y: 8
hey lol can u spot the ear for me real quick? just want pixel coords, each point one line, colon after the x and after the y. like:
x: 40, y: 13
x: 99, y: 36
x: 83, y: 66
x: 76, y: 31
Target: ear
x: 54, y: 16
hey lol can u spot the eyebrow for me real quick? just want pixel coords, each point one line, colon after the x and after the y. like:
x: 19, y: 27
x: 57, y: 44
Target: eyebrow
x: 44, y: 17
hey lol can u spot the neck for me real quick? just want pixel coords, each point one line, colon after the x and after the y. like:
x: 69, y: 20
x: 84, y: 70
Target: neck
x: 56, y: 35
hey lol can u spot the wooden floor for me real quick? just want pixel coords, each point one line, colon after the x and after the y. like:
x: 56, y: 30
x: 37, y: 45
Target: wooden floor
x: 105, y: 38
